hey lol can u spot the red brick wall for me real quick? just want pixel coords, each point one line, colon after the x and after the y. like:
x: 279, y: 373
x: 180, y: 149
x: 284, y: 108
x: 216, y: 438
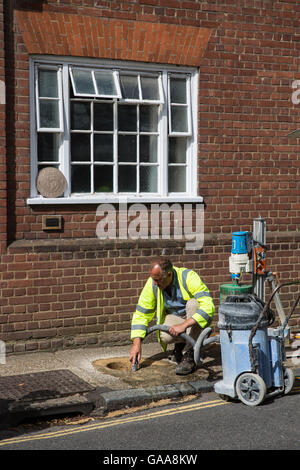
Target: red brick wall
x: 71, y: 294
x: 248, y: 166
x: 63, y: 293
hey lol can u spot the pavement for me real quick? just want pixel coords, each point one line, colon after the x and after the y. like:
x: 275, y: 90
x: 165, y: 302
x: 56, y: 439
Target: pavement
x: 95, y: 381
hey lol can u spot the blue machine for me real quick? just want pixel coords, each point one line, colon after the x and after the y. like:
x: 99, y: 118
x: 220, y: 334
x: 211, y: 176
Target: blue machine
x: 239, y: 243
x: 239, y: 260
x: 252, y: 353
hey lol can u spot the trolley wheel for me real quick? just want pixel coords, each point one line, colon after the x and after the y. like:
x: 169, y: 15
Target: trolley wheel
x: 251, y: 389
x: 289, y: 379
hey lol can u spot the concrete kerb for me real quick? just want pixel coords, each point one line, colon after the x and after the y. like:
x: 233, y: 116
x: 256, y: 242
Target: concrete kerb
x: 103, y: 402
x: 16, y: 413
x: 97, y: 402
x: 118, y: 399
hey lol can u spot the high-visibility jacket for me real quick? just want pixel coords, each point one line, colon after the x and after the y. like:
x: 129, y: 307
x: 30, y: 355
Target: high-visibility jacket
x: 151, y: 301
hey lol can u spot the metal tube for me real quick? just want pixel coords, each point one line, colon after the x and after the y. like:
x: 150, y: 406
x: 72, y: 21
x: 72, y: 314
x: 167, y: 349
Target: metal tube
x: 259, y: 237
x: 278, y: 304
x: 259, y: 231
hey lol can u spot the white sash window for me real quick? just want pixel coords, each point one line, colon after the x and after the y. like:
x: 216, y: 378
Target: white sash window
x: 114, y: 129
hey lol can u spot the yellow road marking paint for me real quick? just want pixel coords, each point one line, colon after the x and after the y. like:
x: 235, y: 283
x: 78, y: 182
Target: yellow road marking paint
x: 91, y: 427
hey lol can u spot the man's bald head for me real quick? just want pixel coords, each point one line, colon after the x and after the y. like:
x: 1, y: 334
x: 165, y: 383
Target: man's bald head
x: 162, y: 272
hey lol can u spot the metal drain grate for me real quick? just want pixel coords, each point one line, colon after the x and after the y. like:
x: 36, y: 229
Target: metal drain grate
x: 42, y: 385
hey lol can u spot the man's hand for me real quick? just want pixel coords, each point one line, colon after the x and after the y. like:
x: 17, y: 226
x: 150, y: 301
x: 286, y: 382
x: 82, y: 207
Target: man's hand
x: 135, y: 351
x: 176, y: 330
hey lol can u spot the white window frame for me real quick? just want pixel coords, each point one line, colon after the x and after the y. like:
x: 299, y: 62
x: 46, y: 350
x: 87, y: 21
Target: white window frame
x: 59, y: 99
x: 95, y: 95
x: 186, y: 105
x: 161, y: 99
x: 64, y: 64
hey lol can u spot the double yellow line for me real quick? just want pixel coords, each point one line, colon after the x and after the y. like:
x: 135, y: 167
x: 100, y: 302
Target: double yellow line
x: 115, y: 422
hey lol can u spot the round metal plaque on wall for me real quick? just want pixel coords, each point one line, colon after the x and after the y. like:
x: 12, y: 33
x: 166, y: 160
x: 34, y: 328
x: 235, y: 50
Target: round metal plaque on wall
x: 51, y: 182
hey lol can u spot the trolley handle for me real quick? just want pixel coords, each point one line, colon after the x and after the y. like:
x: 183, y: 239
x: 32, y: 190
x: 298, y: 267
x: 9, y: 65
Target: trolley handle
x: 262, y: 315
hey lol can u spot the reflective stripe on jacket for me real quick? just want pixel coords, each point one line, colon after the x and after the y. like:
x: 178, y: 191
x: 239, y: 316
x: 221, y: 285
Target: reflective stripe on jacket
x: 151, y: 301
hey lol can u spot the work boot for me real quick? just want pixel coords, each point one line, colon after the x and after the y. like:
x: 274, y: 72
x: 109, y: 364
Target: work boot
x: 176, y: 354
x: 187, y: 364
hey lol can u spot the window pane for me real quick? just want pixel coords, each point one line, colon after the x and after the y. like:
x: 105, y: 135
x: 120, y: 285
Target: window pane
x: 80, y: 147
x: 177, y: 149
x: 49, y: 114
x: 83, y: 82
x: 103, y: 147
x: 176, y: 179
x: 127, y: 148
x: 81, y: 179
x: 178, y: 90
x: 129, y: 86
x: 103, y: 117
x: 150, y: 89
x: 179, y: 122
x: 48, y: 147
x: 48, y: 86
x: 148, y: 148
x: 127, y: 178
x: 148, y: 118
x: 148, y: 179
x: 103, y: 179
x: 80, y: 115
x: 127, y: 118
x: 105, y: 83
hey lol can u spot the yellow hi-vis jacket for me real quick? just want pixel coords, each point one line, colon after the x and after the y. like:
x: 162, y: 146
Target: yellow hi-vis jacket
x: 151, y: 301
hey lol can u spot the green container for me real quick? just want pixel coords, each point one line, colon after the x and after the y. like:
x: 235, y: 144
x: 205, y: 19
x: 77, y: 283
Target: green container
x: 234, y: 289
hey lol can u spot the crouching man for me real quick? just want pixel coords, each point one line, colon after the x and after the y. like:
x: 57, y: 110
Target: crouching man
x: 167, y: 292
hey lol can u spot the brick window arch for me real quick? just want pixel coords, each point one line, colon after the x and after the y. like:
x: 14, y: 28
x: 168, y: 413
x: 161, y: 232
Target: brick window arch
x: 85, y: 36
